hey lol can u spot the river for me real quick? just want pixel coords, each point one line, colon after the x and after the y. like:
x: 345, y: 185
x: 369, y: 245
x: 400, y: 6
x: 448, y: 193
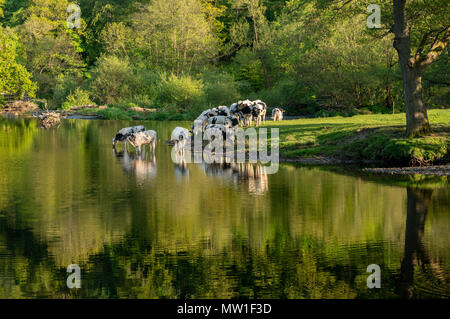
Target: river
x: 144, y: 227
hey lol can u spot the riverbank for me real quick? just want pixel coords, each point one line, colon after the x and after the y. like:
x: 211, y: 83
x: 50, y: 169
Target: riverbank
x: 375, y: 140
x: 364, y: 139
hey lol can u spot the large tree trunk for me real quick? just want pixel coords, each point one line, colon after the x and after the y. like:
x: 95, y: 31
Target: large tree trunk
x: 416, y: 113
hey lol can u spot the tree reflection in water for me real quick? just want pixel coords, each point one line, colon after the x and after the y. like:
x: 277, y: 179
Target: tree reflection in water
x: 415, y: 252
x: 137, y: 232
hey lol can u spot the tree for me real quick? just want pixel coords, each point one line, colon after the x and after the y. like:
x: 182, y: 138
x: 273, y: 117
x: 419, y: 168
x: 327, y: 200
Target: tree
x: 175, y: 35
x: 111, y: 79
x: 52, y: 50
x: 14, y: 78
x: 429, y: 26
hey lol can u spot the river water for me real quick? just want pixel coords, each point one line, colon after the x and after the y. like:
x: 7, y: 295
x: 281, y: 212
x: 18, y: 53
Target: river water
x: 144, y: 227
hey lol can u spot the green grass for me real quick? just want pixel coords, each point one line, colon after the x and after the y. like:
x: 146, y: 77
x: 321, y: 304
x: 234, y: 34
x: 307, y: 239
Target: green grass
x: 117, y: 113
x: 377, y: 138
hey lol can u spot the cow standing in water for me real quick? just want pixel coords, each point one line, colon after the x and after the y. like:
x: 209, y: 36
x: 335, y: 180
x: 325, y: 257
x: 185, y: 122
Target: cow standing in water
x: 141, y: 139
x: 179, y: 138
x: 124, y: 133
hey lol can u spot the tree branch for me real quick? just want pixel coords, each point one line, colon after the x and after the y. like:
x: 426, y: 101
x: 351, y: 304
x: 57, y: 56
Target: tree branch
x: 437, y: 48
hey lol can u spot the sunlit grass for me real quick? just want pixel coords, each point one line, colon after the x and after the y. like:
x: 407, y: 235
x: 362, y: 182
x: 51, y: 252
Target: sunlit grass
x: 377, y: 137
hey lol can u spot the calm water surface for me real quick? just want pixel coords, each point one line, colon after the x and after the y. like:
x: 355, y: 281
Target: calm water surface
x: 144, y: 227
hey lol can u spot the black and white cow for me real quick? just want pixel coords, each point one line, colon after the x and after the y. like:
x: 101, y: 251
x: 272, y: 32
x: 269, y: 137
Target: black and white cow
x: 228, y: 133
x: 228, y: 121
x: 277, y: 114
x: 124, y: 133
x: 200, y: 122
x: 221, y: 111
x: 244, y: 111
x: 140, y: 139
x: 259, y: 112
x: 180, y: 136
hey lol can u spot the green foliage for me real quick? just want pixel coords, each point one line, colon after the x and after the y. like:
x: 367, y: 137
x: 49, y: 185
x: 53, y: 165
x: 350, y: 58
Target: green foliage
x: 180, y: 93
x: 313, y: 58
x: 51, y: 49
x: 111, y: 79
x: 64, y: 87
x: 14, y: 78
x: 178, y: 42
x: 79, y: 97
x: 220, y: 88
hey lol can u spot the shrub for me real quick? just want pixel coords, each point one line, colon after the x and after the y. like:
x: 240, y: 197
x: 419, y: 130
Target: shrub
x: 181, y: 92
x: 112, y: 79
x: 78, y: 98
x: 141, y: 100
x: 65, y: 86
x: 219, y: 88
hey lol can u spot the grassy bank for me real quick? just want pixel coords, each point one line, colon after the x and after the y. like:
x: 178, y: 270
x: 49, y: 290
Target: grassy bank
x: 377, y: 138
x: 117, y: 113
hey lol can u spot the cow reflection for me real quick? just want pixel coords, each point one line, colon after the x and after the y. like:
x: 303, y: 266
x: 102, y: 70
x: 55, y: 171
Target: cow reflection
x: 180, y: 164
x: 252, y: 175
x: 143, y: 165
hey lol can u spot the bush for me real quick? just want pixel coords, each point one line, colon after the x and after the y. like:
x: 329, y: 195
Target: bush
x: 140, y: 100
x: 65, y: 86
x: 180, y: 92
x: 78, y: 98
x: 219, y: 88
x: 145, y: 86
x: 112, y: 79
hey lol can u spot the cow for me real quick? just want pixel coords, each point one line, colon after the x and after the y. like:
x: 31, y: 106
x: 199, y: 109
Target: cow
x: 259, y: 111
x: 244, y: 111
x: 234, y: 107
x: 277, y: 114
x: 140, y: 139
x: 124, y: 133
x: 179, y: 138
x: 201, y: 121
x: 221, y: 111
x: 215, y: 130
x: 228, y: 121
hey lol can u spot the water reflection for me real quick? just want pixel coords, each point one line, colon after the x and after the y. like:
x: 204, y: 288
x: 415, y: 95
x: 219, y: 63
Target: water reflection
x: 180, y: 164
x: 252, y: 175
x: 142, y: 165
x: 415, y: 251
x: 138, y: 232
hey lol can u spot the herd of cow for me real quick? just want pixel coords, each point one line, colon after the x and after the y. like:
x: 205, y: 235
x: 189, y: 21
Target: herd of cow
x: 219, y: 120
